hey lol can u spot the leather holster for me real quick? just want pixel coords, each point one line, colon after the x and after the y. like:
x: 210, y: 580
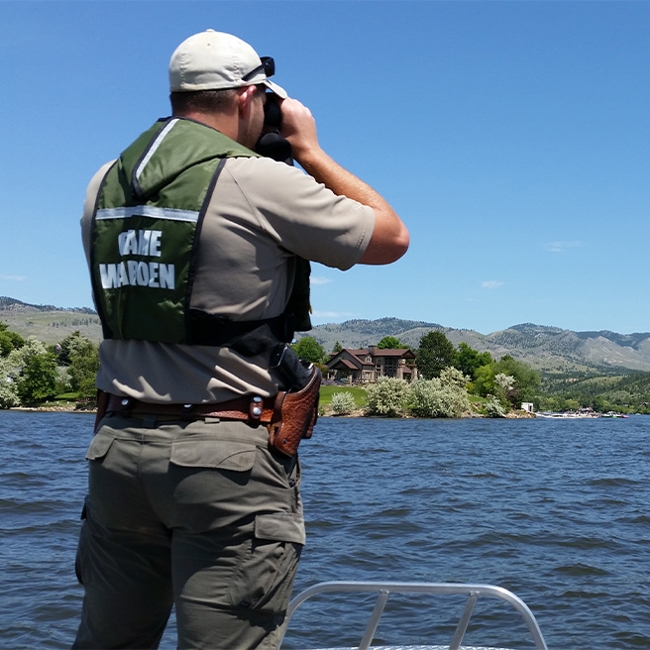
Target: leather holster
x: 295, y: 415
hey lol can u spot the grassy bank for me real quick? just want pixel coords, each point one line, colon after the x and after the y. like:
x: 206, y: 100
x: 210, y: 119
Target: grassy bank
x: 326, y: 392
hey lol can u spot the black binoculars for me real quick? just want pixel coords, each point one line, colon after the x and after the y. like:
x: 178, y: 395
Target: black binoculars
x: 272, y: 112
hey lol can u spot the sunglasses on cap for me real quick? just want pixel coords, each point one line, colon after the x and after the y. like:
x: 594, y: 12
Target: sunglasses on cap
x: 267, y: 65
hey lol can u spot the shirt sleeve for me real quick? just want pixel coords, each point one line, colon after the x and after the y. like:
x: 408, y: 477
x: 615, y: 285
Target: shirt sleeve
x: 303, y: 216
x: 89, y: 207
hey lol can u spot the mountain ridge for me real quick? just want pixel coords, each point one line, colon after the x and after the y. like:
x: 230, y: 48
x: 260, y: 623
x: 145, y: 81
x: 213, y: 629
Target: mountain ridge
x: 548, y: 348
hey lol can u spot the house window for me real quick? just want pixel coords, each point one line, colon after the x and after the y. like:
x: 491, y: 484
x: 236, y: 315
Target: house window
x: 390, y: 367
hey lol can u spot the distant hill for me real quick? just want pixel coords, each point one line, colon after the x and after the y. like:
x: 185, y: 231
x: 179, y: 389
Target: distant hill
x: 48, y: 323
x: 550, y: 349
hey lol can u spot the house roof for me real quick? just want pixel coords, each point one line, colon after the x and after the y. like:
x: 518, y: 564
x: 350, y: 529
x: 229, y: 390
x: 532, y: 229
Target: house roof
x: 363, y: 352
x: 356, y: 358
x: 393, y: 353
x: 356, y: 361
x: 345, y: 363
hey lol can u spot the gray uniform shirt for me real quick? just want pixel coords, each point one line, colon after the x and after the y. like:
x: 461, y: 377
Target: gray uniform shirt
x: 261, y: 214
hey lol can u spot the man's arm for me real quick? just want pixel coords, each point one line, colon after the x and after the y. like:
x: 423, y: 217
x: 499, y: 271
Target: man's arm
x: 390, y: 238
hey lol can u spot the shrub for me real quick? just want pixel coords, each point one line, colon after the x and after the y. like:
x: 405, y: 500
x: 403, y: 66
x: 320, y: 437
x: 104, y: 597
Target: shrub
x: 8, y: 392
x: 26, y: 374
x: 342, y: 403
x: 494, y: 409
x: 9, y: 371
x: 443, y: 397
x: 387, y: 397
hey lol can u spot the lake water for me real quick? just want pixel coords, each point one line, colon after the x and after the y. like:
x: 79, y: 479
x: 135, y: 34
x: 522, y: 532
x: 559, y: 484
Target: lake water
x: 554, y: 510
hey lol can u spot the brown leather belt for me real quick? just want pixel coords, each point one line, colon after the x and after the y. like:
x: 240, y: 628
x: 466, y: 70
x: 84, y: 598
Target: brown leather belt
x: 252, y: 409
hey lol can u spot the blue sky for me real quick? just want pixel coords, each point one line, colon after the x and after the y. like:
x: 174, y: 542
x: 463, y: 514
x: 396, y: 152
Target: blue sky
x: 511, y: 137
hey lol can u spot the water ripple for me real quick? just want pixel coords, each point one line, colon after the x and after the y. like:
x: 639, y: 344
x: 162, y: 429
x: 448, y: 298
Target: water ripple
x: 555, y: 511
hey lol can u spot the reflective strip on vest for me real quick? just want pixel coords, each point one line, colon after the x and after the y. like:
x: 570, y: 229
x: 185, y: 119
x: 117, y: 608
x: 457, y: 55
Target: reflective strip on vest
x: 173, y: 214
x: 154, y: 147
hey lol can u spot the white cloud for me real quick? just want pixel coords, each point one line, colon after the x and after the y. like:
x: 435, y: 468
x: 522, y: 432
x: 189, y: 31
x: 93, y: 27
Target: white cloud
x: 13, y: 278
x: 332, y: 314
x: 315, y: 280
x: 491, y: 284
x: 561, y: 246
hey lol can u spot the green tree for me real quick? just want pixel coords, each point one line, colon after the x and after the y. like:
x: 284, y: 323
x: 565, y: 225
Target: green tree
x: 517, y: 382
x: 484, y: 380
x: 38, y: 379
x: 309, y: 349
x: 12, y: 369
x: 391, y: 343
x: 468, y: 360
x: 337, y: 348
x: 9, y: 340
x: 527, y: 380
x: 69, y: 346
x: 84, y: 364
x: 435, y: 353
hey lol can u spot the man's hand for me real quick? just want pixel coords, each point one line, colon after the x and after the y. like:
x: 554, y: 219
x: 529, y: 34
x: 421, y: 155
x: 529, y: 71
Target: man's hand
x: 299, y: 128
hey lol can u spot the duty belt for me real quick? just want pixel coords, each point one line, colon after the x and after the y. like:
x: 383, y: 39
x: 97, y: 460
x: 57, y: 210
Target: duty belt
x: 252, y: 409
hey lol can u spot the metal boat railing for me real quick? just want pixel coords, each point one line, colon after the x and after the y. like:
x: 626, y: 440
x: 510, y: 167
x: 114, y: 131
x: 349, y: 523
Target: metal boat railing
x: 385, y: 589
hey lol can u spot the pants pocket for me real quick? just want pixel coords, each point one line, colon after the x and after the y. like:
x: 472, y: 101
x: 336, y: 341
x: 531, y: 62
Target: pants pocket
x: 99, y: 446
x: 269, y: 563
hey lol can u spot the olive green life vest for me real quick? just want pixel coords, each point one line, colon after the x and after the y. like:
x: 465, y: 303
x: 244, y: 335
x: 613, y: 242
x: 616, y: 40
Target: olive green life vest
x: 145, y: 233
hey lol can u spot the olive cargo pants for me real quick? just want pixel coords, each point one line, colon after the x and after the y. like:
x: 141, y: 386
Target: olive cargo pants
x: 200, y: 515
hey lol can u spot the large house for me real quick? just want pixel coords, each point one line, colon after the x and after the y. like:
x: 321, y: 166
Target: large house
x: 366, y: 366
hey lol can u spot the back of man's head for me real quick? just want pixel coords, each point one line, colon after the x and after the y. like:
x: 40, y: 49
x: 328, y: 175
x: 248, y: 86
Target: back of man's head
x: 217, y: 61
x: 202, y: 101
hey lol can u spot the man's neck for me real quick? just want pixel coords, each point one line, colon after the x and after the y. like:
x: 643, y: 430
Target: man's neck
x: 223, y: 123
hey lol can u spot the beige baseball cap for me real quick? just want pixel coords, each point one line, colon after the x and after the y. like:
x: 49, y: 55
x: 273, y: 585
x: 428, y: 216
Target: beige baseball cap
x: 215, y: 60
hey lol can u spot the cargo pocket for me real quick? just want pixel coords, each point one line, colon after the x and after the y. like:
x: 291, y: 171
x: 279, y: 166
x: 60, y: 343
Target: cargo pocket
x: 99, y: 446
x: 268, y: 567
x: 280, y: 527
x: 215, y: 454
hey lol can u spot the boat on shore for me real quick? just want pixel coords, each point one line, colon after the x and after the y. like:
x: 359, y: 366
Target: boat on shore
x: 580, y: 414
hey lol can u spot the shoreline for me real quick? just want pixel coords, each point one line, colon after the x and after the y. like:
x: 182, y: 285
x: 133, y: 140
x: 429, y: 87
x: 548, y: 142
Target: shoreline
x: 513, y: 415
x: 51, y: 409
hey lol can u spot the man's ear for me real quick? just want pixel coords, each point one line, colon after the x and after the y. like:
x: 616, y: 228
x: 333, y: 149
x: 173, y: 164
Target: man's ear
x: 245, y: 99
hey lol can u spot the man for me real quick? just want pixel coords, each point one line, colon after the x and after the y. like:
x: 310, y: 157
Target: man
x: 193, y: 242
